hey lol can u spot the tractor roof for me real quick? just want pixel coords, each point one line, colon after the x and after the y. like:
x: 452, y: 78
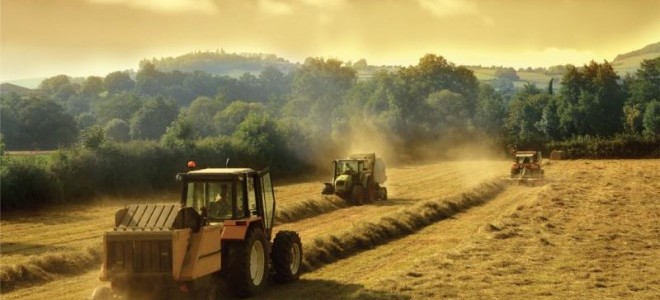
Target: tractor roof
x: 214, y: 174
x: 525, y: 153
x: 222, y: 171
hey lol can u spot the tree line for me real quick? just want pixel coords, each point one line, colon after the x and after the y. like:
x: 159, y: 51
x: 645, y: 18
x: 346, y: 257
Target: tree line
x: 322, y: 100
x: 291, y: 120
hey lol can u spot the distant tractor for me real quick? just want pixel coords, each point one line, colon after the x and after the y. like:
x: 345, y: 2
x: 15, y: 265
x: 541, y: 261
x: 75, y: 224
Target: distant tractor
x: 527, y: 166
x: 218, y: 236
x: 358, y: 178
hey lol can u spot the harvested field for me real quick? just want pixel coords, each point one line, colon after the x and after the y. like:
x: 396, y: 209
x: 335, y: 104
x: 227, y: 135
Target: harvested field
x: 592, y: 230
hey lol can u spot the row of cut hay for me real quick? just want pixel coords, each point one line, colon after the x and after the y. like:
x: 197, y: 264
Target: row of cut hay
x: 47, y: 267
x: 321, y: 251
x: 406, y: 221
x: 297, y: 211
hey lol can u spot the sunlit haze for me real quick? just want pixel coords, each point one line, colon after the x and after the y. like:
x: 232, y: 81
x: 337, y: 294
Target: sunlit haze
x: 95, y: 37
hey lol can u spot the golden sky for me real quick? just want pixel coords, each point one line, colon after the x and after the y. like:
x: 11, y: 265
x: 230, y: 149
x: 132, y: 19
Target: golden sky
x: 94, y: 37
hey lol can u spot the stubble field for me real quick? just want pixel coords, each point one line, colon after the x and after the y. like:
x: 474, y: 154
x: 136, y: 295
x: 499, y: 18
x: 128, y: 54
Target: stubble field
x: 449, y: 230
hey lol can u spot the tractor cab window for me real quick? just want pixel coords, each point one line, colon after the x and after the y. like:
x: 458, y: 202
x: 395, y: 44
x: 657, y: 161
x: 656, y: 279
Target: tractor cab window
x: 216, y: 197
x: 347, y: 167
x: 252, y: 197
x: 240, y: 198
x: 268, y: 198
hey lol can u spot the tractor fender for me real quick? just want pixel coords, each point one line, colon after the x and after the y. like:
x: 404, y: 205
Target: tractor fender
x: 236, y: 230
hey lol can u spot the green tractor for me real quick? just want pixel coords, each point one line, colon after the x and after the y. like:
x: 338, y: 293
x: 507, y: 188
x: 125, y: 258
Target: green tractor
x: 358, y: 178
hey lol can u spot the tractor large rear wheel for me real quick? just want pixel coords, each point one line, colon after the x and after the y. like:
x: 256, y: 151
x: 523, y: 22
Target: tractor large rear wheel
x: 286, y: 256
x: 248, y: 264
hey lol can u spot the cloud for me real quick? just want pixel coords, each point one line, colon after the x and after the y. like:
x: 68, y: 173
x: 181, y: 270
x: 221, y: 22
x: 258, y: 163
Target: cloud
x: 275, y: 7
x: 445, y: 8
x: 166, y: 6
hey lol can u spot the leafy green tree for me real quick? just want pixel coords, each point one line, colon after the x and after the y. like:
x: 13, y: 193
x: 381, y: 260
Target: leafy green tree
x: 66, y: 92
x: 227, y: 121
x: 645, y: 86
x: 92, y: 137
x: 434, y: 73
x: 151, y: 120
x: 642, y: 88
x: 591, y: 101
x: 117, y: 82
x: 203, y: 84
x: 447, y: 114
x: 318, y: 91
x: 507, y: 73
x: 572, y: 83
x: 44, y: 125
x: 179, y: 135
x: 92, y: 87
x: 549, y: 123
x: 200, y: 115
x: 276, y: 85
x: 491, y: 112
x: 379, y: 102
x: 633, y: 116
x: 551, y: 90
x: 149, y: 81
x: 525, y: 115
x: 119, y: 106
x: 257, y: 136
x: 85, y: 120
x: 118, y: 130
x: 10, y: 128
x: 651, y: 120
x: 3, y: 147
x: 52, y: 85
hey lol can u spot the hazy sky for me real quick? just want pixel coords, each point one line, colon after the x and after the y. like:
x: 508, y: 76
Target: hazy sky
x: 94, y: 37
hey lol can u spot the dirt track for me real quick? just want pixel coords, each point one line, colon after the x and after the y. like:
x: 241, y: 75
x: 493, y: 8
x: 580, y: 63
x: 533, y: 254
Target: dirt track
x: 475, y: 254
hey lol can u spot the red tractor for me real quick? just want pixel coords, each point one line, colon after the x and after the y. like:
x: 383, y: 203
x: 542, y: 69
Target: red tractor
x: 220, y: 234
x: 527, y: 166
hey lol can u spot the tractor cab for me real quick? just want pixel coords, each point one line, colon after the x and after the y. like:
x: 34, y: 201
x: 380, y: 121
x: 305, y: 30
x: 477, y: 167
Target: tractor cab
x: 527, y: 165
x: 222, y: 194
x: 220, y: 232
x: 347, y: 174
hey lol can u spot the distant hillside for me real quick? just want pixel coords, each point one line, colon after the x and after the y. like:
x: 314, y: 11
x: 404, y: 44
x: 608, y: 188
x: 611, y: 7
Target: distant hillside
x: 8, y: 89
x: 31, y: 83
x: 629, y: 62
x: 222, y: 63
x: 653, y: 49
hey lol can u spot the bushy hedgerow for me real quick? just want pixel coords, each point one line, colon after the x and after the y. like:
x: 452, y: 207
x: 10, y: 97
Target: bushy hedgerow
x: 620, y: 146
x: 24, y: 183
x: 135, y: 167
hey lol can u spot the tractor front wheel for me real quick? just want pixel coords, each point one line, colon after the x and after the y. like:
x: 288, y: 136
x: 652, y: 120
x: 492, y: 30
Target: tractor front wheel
x: 357, y: 195
x: 248, y: 264
x: 286, y: 256
x: 372, y: 191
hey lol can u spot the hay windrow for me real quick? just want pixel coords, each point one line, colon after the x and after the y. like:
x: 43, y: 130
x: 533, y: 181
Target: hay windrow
x: 321, y: 251
x: 48, y: 267
x: 368, y: 235
x: 297, y: 211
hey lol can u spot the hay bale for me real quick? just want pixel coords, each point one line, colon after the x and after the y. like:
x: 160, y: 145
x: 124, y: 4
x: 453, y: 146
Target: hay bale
x: 556, y: 155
